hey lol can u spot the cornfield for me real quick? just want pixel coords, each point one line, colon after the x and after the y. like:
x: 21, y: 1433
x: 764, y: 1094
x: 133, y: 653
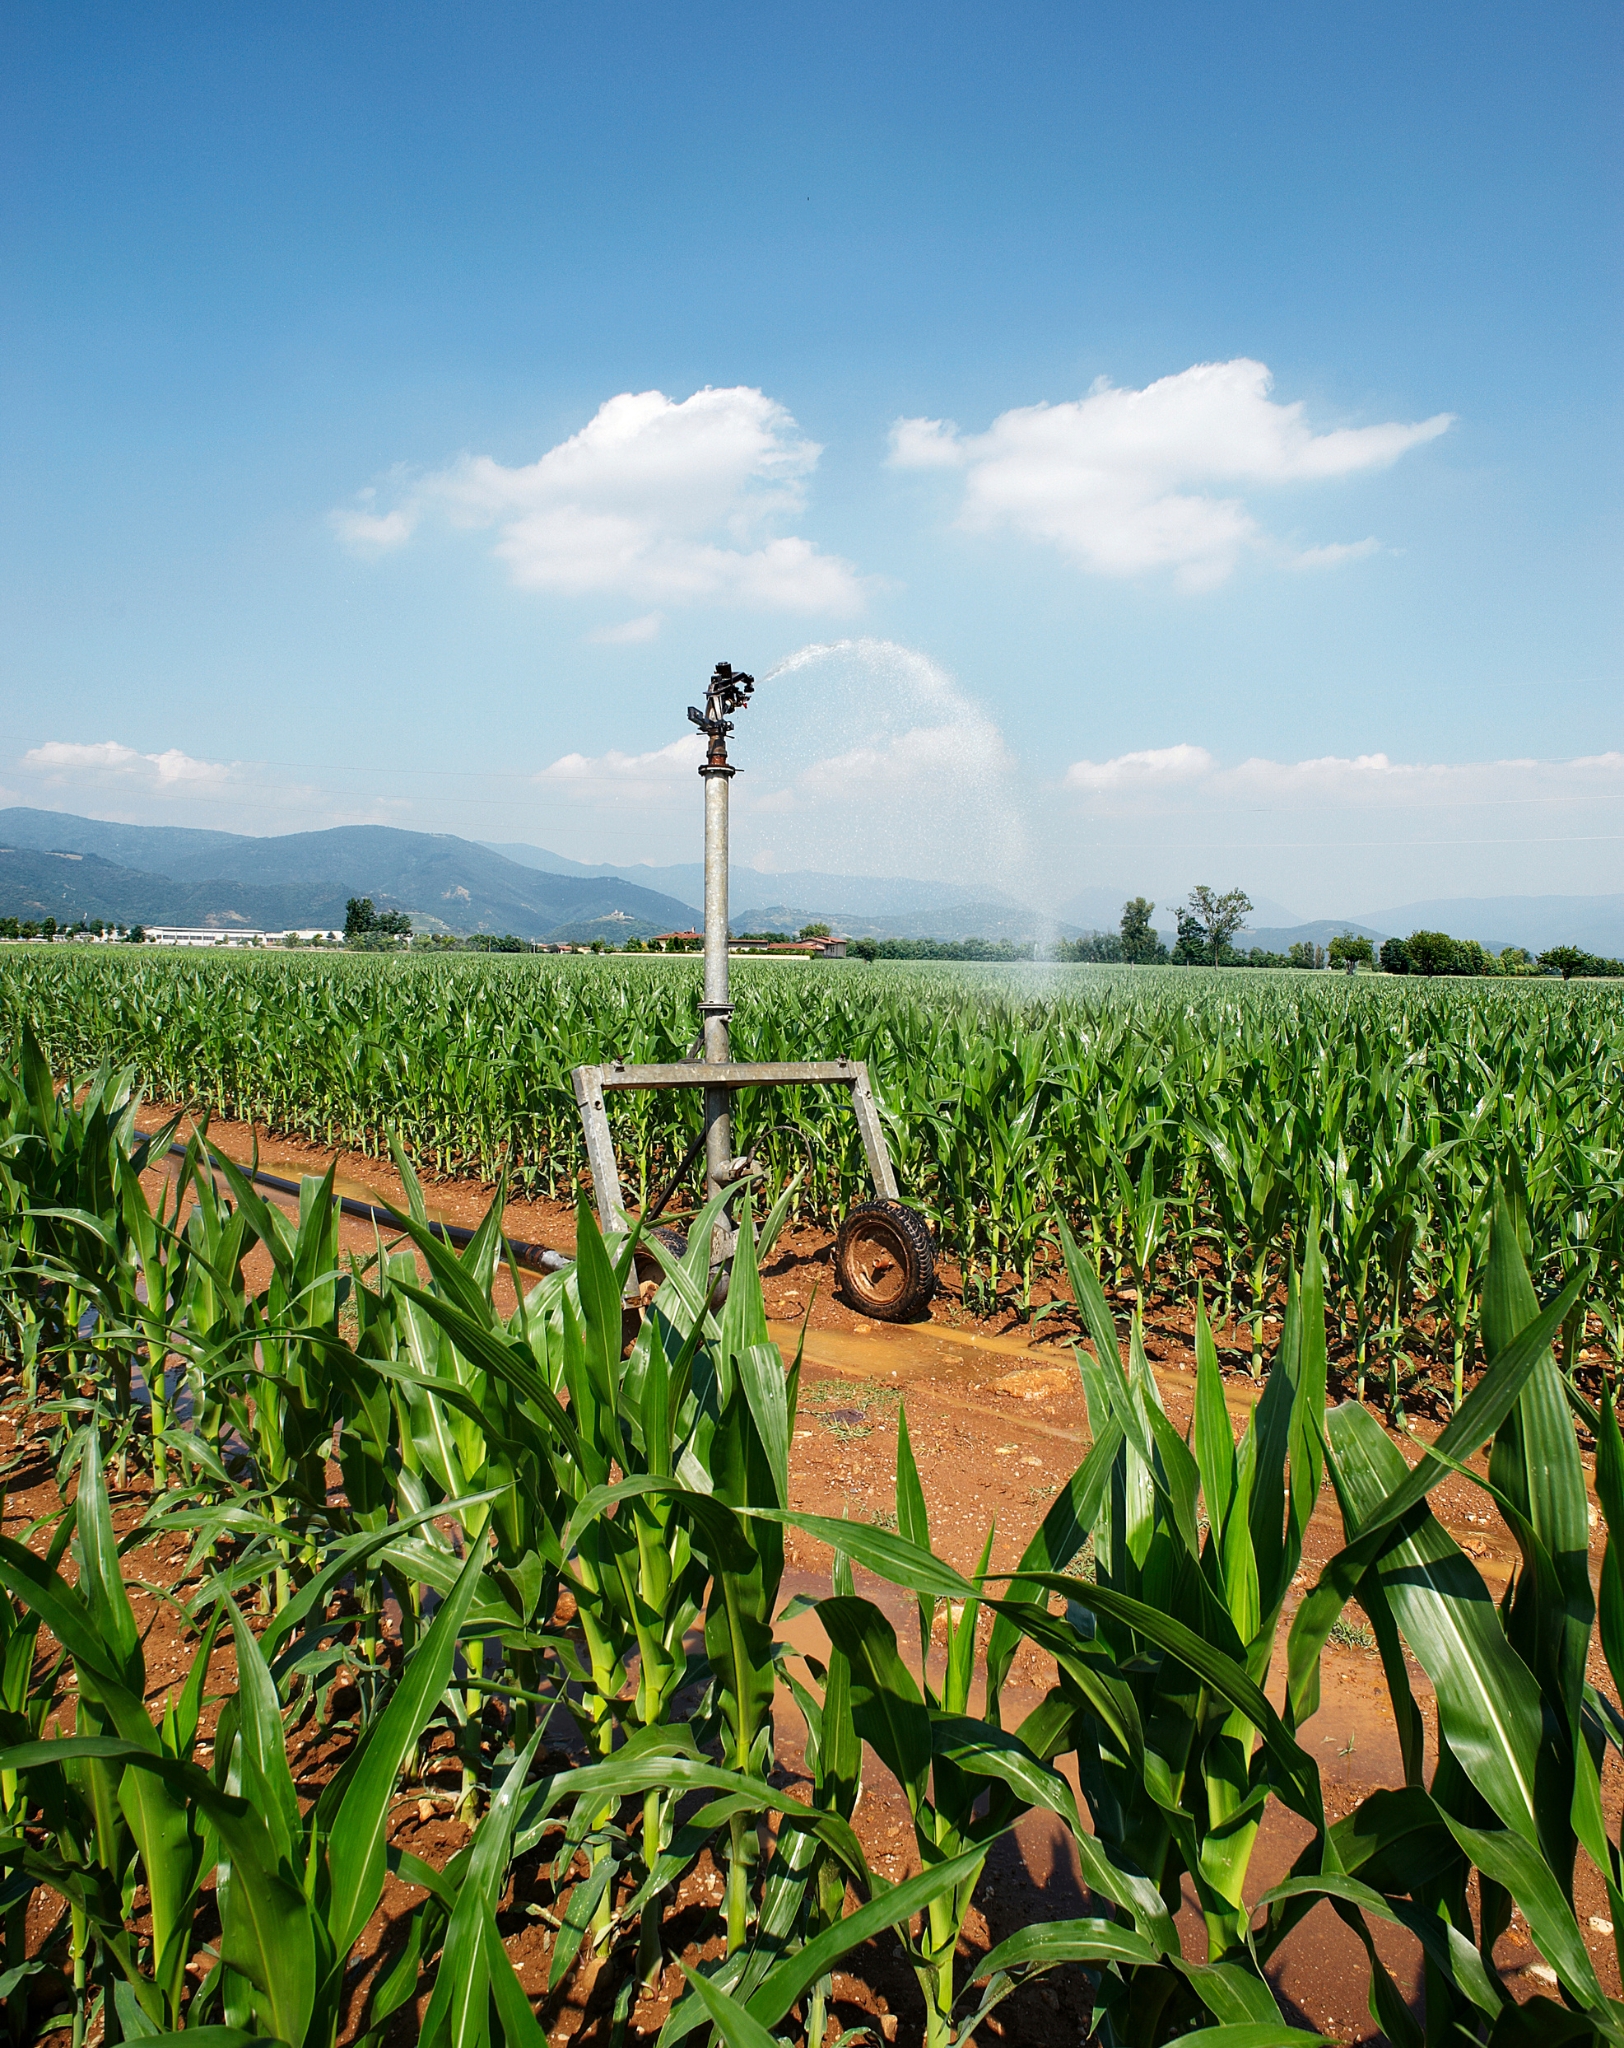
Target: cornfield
x: 553, y: 1553
x: 1172, y: 1118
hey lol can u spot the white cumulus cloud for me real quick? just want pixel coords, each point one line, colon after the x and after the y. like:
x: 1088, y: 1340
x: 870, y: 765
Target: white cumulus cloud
x: 61, y: 760
x: 657, y: 500
x: 1129, y: 481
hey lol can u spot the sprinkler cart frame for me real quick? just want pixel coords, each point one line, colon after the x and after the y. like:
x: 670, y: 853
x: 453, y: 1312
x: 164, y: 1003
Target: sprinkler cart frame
x: 879, y: 1237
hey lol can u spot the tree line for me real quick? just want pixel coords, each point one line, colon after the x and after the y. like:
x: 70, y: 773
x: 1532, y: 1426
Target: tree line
x: 1209, y: 922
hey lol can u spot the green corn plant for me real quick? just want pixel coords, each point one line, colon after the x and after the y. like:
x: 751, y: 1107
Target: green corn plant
x: 158, y: 1257
x: 807, y: 1875
x: 1150, y: 1989
x: 105, y: 1825
x: 124, y: 1804
x: 944, y: 1760
x: 868, y: 1693
x: 1163, y: 1649
x: 273, y: 1383
x: 72, y: 1292
x: 1514, y: 1789
x: 1255, y: 1155
x: 28, y: 1693
x: 1144, y: 1205
x: 700, y: 1435
x: 450, y: 1402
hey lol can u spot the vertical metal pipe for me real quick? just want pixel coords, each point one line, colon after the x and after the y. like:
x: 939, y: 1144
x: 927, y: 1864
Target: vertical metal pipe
x: 716, y: 1012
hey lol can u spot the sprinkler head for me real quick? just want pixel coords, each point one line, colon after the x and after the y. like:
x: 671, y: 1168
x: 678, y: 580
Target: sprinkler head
x: 727, y: 692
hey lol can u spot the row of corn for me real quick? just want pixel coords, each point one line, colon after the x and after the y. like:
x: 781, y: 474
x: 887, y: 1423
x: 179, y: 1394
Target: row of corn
x: 1185, y: 1124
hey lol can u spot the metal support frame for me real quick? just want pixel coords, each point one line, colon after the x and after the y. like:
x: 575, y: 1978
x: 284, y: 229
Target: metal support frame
x: 594, y: 1084
x: 714, y: 1069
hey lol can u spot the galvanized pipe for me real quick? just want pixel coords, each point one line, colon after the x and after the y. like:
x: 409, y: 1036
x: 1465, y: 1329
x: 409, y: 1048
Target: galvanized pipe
x: 717, y: 1010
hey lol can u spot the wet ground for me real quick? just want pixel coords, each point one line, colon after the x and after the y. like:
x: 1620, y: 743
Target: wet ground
x: 998, y: 1423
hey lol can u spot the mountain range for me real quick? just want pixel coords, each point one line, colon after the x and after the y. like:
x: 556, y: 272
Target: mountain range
x: 862, y: 906
x: 55, y: 864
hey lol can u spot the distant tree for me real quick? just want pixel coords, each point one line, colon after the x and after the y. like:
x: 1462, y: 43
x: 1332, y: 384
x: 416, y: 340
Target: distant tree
x: 1395, y: 957
x: 1571, y: 961
x: 813, y: 931
x: 1098, y: 948
x: 1191, y: 947
x: 1432, y: 953
x: 138, y: 935
x: 47, y: 928
x: 1349, y: 951
x: 1470, y: 958
x: 9, y: 928
x: 633, y: 946
x: 1140, y: 945
x: 992, y: 950
x: 393, y: 924
x: 865, y: 949
x: 1301, y: 953
x: 360, y: 917
x: 1218, y: 918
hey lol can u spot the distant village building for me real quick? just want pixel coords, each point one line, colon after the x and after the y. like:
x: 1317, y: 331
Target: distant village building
x: 203, y: 935
x: 792, y: 949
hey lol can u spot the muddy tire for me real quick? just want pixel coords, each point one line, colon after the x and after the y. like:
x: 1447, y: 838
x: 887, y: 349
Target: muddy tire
x: 885, y: 1261
x: 673, y: 1247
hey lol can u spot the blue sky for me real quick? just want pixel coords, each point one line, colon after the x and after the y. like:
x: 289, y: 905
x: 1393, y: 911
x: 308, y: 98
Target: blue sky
x: 403, y: 408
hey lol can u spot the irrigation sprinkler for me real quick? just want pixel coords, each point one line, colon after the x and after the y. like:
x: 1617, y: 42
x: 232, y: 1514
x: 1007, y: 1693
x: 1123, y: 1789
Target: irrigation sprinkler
x: 884, y: 1255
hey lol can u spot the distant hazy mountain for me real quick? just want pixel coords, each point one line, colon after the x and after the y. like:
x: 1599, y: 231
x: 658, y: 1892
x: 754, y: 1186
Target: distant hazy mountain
x: 168, y: 875
x: 1534, y: 922
x: 750, y: 890
x: 69, y: 886
x: 54, y: 864
x: 153, y: 849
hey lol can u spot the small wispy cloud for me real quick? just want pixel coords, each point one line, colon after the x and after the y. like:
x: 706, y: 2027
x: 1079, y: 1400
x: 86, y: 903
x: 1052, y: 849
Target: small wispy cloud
x: 1125, y: 482
x: 630, y: 633
x: 1334, y: 553
x: 1334, y: 780
x: 615, y: 779
x: 1153, y: 767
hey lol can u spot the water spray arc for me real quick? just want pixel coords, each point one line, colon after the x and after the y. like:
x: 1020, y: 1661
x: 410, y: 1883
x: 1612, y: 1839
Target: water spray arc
x: 885, y: 1256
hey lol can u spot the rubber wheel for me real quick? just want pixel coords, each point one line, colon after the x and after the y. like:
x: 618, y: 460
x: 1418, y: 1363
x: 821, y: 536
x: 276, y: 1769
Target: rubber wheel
x: 885, y: 1260
x: 673, y: 1246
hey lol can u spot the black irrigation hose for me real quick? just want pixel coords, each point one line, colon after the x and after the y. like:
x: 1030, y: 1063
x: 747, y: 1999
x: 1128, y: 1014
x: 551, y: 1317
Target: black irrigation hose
x: 676, y: 1179
x: 537, y: 1258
